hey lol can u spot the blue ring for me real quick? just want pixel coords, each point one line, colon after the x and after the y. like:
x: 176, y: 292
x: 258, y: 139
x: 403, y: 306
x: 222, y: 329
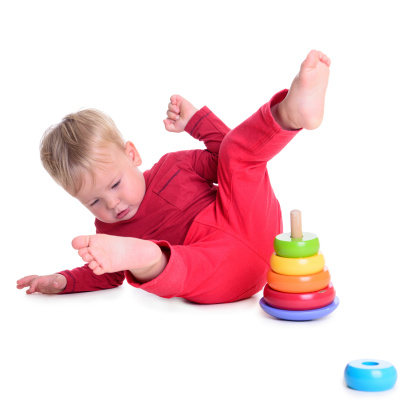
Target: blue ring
x: 306, y: 315
x: 370, y: 375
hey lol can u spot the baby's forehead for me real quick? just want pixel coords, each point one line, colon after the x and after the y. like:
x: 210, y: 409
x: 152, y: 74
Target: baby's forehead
x: 102, y: 171
x: 105, y: 158
x: 107, y: 153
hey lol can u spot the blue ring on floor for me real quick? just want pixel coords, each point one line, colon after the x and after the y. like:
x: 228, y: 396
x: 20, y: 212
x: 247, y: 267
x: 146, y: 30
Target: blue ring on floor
x: 370, y: 375
x: 307, y: 315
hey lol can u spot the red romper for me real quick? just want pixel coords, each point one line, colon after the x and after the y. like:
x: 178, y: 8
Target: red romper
x: 219, y: 238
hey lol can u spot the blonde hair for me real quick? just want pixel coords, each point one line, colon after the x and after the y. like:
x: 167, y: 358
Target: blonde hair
x: 71, y: 148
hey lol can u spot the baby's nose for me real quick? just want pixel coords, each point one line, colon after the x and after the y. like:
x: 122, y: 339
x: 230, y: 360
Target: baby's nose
x: 112, y: 203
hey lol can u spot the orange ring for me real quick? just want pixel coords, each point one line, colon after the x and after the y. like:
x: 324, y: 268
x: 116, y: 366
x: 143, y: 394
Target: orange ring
x: 299, y: 284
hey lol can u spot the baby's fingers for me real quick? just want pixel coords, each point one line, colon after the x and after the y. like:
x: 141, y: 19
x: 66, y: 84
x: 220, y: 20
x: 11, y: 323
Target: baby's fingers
x: 174, y: 108
x: 33, y: 286
x: 25, y: 281
x: 176, y: 100
x: 170, y: 125
x: 172, y: 115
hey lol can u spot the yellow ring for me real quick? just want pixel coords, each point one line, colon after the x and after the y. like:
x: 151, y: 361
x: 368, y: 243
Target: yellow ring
x: 297, y: 266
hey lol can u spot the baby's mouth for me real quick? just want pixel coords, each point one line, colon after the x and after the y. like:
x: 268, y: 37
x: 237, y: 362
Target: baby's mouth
x: 122, y: 214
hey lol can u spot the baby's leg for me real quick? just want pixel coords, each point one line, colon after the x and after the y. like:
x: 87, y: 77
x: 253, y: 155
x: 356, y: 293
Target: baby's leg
x: 246, y: 204
x: 108, y: 254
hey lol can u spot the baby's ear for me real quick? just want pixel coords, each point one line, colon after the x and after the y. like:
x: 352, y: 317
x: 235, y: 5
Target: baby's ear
x: 133, y: 153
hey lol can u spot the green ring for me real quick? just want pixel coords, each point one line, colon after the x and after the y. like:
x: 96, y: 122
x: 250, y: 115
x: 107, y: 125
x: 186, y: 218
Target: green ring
x: 306, y: 246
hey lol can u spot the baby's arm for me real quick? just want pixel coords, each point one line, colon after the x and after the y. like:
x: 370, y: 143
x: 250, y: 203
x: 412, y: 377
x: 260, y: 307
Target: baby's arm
x: 80, y: 279
x: 49, y: 284
x: 205, y: 126
x: 202, y: 125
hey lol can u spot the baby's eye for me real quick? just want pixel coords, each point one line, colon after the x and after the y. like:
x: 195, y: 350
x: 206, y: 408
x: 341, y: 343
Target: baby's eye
x: 94, y: 203
x: 116, y: 185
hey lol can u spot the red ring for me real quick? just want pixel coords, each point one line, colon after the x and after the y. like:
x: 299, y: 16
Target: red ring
x: 299, y: 301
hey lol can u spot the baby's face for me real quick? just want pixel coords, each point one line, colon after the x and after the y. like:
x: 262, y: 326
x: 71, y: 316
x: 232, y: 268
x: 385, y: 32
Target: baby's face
x: 119, y: 186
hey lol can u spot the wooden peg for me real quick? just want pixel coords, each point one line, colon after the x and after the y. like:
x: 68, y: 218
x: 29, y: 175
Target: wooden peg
x: 295, y: 224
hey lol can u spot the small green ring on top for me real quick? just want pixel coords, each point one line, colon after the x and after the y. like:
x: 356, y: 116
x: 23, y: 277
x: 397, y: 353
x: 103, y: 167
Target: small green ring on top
x: 305, y: 246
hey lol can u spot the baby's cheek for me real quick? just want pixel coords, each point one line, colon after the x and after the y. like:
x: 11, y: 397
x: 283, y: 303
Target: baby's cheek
x: 101, y: 214
x: 136, y: 196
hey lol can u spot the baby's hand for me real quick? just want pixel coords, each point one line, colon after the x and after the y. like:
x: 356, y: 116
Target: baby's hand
x: 43, y: 284
x: 180, y: 111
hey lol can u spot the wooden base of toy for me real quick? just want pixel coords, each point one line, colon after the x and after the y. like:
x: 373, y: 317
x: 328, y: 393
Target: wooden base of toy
x: 307, y: 315
x: 299, y: 301
x: 297, y: 266
x: 299, y: 284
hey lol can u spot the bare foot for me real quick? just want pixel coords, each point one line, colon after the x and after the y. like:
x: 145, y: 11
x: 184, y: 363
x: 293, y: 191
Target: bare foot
x: 304, y: 105
x: 180, y: 111
x: 108, y: 254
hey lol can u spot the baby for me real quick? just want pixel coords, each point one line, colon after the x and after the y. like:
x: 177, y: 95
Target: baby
x: 172, y: 230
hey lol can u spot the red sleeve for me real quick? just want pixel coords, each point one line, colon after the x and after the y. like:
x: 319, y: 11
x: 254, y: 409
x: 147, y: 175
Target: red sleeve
x: 82, y: 279
x: 206, y: 127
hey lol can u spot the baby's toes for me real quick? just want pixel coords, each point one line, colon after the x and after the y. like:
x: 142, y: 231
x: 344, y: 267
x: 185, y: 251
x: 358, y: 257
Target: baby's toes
x: 96, y: 268
x: 80, y: 242
x: 93, y: 265
x: 325, y: 59
x: 86, y: 256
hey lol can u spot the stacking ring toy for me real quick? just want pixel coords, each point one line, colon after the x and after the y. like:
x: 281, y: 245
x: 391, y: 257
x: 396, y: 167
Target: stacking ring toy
x: 287, y: 246
x: 306, y: 315
x: 299, y: 301
x: 370, y: 375
x: 299, y: 284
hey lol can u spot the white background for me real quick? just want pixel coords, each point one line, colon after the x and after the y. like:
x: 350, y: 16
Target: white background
x: 126, y: 351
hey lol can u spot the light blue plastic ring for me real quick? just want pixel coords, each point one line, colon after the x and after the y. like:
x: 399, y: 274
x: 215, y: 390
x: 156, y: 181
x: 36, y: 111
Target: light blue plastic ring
x: 370, y: 375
